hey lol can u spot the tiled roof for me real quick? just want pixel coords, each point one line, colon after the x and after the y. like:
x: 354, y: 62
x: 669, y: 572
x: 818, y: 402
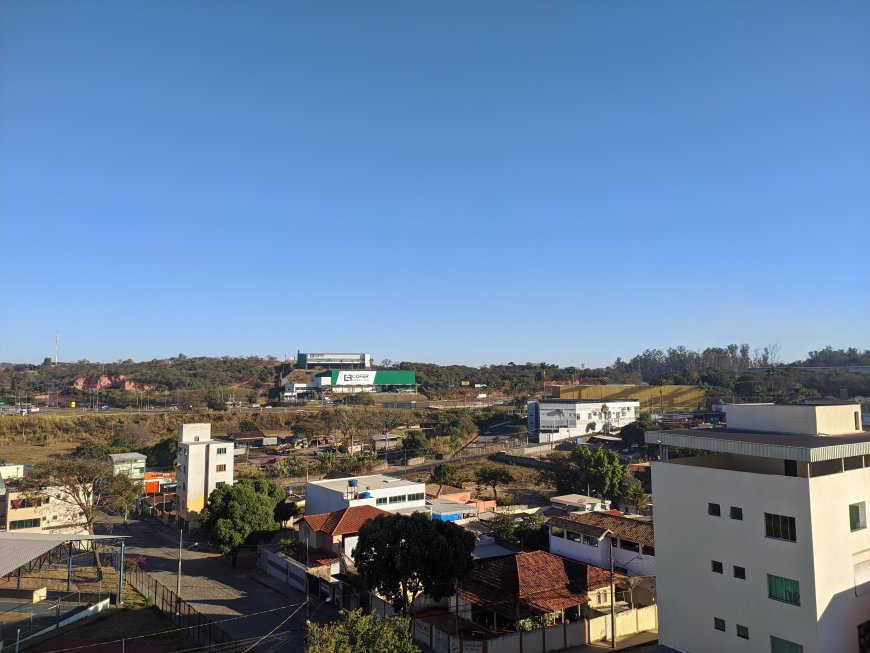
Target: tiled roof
x: 343, y: 522
x: 530, y: 584
x: 598, y: 524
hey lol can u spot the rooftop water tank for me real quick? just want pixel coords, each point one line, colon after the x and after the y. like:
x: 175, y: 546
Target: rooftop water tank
x: 352, y: 482
x: 365, y: 495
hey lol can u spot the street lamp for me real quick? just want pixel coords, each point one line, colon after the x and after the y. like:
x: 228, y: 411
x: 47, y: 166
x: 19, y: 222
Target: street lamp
x: 178, y: 580
x: 613, y: 592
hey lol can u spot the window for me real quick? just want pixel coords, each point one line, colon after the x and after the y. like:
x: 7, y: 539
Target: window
x: 555, y: 531
x: 381, y: 501
x: 398, y: 498
x: 713, y: 509
x: 716, y: 566
x: 628, y: 545
x: 857, y: 516
x: 649, y: 550
x: 778, y: 645
x: 24, y: 523
x: 783, y: 589
x: 220, y: 484
x: 221, y: 468
x: 221, y: 450
x: 742, y: 631
x: 740, y: 572
x: 779, y: 527
x: 736, y: 513
x: 417, y: 496
x: 588, y: 540
x: 719, y: 624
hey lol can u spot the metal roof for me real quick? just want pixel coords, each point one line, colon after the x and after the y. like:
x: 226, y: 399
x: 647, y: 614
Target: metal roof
x: 806, y: 448
x: 17, y: 549
x: 124, y: 457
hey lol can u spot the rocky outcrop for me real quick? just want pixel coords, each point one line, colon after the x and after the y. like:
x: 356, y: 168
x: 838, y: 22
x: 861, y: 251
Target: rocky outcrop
x: 112, y: 382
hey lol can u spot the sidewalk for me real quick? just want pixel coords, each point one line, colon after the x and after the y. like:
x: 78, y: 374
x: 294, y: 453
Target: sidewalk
x: 639, y: 643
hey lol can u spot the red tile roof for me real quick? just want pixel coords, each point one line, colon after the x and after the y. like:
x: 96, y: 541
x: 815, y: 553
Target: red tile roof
x: 530, y: 584
x: 346, y: 521
x: 599, y: 524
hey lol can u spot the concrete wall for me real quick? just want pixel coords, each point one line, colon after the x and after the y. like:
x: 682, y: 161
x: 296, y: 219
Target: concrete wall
x: 599, y: 555
x: 690, y: 594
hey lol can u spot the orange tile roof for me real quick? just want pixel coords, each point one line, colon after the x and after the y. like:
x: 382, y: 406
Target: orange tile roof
x: 599, y: 524
x: 530, y: 584
x: 343, y: 522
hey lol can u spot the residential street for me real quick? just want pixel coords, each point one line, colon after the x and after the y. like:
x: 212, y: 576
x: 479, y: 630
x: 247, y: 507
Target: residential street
x: 216, y: 589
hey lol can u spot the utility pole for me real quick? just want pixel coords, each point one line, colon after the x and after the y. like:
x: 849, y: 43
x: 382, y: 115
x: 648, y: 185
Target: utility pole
x: 178, y: 580
x: 612, y: 601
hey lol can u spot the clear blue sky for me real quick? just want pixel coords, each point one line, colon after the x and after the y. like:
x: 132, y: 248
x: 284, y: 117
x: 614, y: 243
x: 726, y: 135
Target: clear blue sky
x: 468, y: 182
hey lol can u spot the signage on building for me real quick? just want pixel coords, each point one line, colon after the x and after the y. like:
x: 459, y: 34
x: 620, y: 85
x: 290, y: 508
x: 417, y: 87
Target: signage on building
x: 355, y: 378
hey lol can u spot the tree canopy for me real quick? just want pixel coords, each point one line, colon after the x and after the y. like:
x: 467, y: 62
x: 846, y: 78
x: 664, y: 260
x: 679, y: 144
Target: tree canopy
x: 359, y: 632
x: 492, y: 476
x: 240, y: 514
x: 401, y: 556
x: 591, y: 470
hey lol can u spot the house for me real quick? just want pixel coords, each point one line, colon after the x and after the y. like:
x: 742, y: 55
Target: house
x: 336, y: 532
x: 131, y: 464
x: 499, y: 592
x: 552, y: 420
x: 52, y: 511
x: 384, y: 492
x: 202, y: 465
x: 159, y: 482
x: 763, y: 542
x: 579, y: 503
x: 591, y: 537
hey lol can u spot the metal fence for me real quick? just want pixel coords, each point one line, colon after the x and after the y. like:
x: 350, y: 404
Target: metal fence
x: 195, y: 625
x: 20, y: 619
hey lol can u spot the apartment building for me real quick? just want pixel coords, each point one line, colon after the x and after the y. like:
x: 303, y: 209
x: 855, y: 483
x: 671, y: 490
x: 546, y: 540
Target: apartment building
x: 384, y: 492
x: 762, y: 542
x: 203, y: 464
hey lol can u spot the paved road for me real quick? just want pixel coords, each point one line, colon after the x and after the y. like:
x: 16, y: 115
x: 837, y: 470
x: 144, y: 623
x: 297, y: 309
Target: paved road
x: 216, y: 589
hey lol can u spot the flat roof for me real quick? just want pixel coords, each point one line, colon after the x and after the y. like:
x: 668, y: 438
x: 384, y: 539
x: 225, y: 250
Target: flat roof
x: 786, y: 446
x: 373, y: 482
x: 596, y: 402
x: 447, y: 507
x: 124, y: 457
x: 575, y: 498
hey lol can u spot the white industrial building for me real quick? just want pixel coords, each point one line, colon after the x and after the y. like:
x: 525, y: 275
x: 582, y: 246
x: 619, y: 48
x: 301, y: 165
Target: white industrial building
x: 333, y: 361
x: 384, y: 492
x: 762, y: 544
x: 203, y: 464
x: 551, y: 420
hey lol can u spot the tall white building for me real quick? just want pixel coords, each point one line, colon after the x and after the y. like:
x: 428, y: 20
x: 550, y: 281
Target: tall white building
x: 203, y: 465
x: 551, y: 420
x: 384, y: 492
x: 762, y: 544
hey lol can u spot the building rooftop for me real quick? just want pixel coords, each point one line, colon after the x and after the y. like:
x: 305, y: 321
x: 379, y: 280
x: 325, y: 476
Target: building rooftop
x: 576, y: 499
x: 373, y: 482
x: 127, y: 457
x: 531, y: 584
x: 595, y: 402
x: 346, y: 521
x: 784, y: 446
x: 599, y: 524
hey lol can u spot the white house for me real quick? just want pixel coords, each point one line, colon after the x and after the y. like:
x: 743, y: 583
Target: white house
x: 131, y: 464
x: 203, y: 464
x: 384, y: 492
x: 763, y: 542
x: 588, y: 537
x: 579, y: 503
x: 551, y: 420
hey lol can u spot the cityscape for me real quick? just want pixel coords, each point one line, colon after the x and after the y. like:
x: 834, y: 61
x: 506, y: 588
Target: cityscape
x: 491, y: 327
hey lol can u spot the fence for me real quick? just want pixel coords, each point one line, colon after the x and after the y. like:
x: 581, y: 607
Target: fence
x: 540, y: 640
x: 26, y: 619
x: 196, y: 626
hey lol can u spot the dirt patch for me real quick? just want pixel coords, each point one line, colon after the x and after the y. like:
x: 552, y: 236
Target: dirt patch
x: 22, y: 453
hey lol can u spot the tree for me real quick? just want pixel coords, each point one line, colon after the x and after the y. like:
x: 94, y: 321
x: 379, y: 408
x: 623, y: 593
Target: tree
x: 491, y: 476
x: 359, y: 632
x: 597, y: 471
x: 285, y: 510
x: 631, y: 492
x: 239, y: 514
x: 633, y: 433
x: 401, y: 556
x: 122, y: 495
x: 503, y: 526
x: 416, y: 444
x: 214, y: 401
x: 442, y: 473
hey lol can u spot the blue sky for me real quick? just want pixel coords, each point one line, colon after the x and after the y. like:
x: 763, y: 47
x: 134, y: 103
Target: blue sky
x: 457, y: 182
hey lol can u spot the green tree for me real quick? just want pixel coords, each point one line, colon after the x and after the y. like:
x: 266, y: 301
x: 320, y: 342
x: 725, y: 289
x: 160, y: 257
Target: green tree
x: 285, y: 510
x: 442, y: 473
x: 401, y: 556
x: 416, y: 444
x: 359, y: 632
x: 239, y: 514
x: 492, y: 476
x: 214, y: 401
x: 591, y: 470
x: 91, y: 449
x: 631, y: 492
x: 504, y: 526
x: 633, y: 433
x: 122, y: 495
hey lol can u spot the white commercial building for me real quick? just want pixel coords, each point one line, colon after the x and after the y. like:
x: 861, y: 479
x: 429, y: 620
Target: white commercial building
x: 763, y: 543
x: 203, y: 465
x: 334, y: 361
x: 551, y: 420
x: 384, y: 492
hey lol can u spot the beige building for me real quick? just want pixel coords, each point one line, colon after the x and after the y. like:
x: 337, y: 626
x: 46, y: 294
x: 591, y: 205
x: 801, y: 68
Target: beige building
x: 762, y: 544
x: 203, y: 464
x: 131, y: 464
x: 53, y: 511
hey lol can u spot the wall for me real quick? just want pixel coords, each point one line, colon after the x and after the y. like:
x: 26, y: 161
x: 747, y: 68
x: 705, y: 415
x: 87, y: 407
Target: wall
x: 839, y: 550
x: 650, y: 397
x: 690, y: 595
